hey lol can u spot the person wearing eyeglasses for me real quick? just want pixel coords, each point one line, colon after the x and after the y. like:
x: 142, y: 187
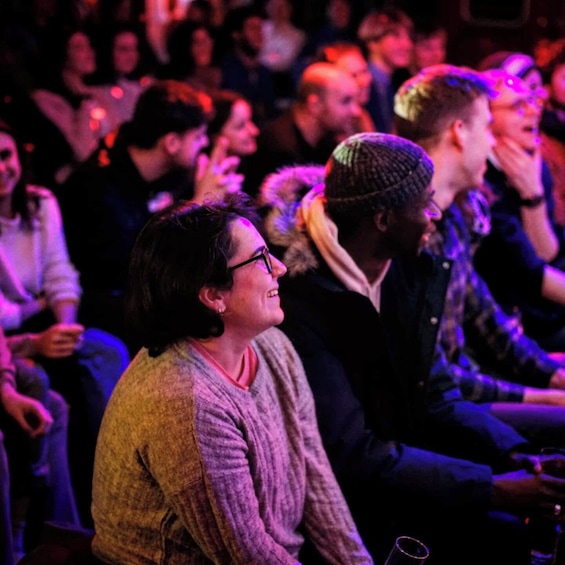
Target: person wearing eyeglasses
x: 209, y: 450
x: 521, y: 258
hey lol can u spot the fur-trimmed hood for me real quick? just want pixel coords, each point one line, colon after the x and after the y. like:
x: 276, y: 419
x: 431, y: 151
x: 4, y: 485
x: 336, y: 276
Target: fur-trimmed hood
x: 280, y: 196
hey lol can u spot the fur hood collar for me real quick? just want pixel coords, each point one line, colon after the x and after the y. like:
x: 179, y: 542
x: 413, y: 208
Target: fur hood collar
x: 280, y: 195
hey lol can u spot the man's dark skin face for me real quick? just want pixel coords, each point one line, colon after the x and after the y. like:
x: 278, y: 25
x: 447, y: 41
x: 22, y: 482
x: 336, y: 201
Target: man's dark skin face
x: 409, y: 227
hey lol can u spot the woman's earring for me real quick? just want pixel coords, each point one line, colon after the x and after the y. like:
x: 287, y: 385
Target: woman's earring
x: 221, y: 311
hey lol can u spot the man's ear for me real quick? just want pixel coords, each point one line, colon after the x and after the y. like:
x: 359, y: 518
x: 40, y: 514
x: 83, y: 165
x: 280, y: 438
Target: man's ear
x: 313, y: 103
x: 212, y: 298
x: 382, y: 220
x: 458, y: 133
x: 171, y: 143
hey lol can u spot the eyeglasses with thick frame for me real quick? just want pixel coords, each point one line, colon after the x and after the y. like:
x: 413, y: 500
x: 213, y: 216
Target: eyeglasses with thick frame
x: 521, y: 105
x: 264, y: 255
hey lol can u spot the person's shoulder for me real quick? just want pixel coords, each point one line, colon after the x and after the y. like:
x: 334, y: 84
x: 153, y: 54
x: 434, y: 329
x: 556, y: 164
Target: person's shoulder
x: 41, y: 192
x: 271, y: 132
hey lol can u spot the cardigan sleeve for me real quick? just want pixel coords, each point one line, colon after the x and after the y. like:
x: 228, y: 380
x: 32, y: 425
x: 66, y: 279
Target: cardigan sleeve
x: 60, y: 278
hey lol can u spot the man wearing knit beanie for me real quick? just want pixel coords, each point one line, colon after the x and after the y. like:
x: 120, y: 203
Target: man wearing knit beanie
x: 362, y: 307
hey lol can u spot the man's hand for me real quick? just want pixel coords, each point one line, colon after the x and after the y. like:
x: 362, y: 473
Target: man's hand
x: 216, y: 175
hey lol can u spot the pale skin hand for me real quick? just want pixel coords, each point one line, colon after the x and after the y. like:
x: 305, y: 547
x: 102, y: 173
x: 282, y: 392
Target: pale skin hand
x: 58, y: 341
x: 216, y: 175
x: 29, y: 413
x: 524, y: 174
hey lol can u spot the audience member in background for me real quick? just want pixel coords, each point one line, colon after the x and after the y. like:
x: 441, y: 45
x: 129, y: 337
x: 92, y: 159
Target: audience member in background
x: 430, y: 46
x: 552, y: 127
x: 386, y: 39
x: 340, y: 24
x: 190, y: 47
x: 149, y: 166
x: 282, y: 44
x: 65, y: 98
x: 520, y: 257
x: 519, y: 65
x: 34, y: 424
x: 233, y: 121
x: 326, y: 106
x: 445, y: 109
x: 242, y: 69
x: 349, y: 58
x: 229, y: 390
x: 125, y: 67
x: 39, y: 297
x: 19, y: 70
x: 361, y: 307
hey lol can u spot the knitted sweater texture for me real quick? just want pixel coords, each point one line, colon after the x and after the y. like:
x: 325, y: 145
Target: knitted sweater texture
x: 191, y: 469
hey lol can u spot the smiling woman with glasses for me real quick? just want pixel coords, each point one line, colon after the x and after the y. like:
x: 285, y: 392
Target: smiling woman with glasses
x: 212, y: 430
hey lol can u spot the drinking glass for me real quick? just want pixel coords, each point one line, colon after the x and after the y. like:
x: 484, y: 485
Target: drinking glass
x: 407, y: 551
x: 546, y: 533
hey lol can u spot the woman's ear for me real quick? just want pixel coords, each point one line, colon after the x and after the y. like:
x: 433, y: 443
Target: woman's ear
x: 212, y: 298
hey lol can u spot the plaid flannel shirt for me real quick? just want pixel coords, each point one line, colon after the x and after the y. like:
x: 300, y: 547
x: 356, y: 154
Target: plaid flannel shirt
x: 475, y: 334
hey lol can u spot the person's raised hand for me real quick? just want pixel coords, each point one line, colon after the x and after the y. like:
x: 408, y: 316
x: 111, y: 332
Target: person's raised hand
x: 216, y: 175
x: 523, y: 169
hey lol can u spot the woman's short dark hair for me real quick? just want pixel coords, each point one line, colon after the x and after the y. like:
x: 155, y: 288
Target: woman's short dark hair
x: 223, y: 101
x: 180, y: 250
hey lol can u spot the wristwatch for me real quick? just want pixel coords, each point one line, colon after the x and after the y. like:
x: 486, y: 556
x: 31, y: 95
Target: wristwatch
x: 532, y: 202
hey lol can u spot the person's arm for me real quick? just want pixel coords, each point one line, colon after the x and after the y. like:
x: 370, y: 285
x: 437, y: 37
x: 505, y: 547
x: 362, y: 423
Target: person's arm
x: 32, y: 417
x: 60, y: 277
x: 553, y: 284
x: 327, y: 519
x: 524, y: 175
x: 498, y: 340
x: 466, y: 423
x: 357, y: 453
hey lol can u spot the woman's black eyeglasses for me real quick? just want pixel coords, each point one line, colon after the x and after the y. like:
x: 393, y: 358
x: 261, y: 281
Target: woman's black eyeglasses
x: 264, y: 255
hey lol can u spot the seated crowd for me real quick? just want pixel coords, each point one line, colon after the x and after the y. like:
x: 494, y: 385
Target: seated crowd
x: 277, y: 297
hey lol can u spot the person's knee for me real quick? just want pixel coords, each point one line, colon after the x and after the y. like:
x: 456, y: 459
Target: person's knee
x: 58, y: 408
x: 32, y: 379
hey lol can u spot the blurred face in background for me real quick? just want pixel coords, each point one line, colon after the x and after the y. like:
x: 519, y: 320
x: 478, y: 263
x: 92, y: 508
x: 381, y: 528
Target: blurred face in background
x: 354, y: 63
x: 250, y: 38
x: 516, y: 112
x: 557, y: 85
x: 240, y: 130
x: 430, y: 50
x: 339, y: 104
x: 395, y: 48
x: 202, y: 46
x: 339, y: 13
x: 10, y: 166
x: 80, y: 57
x: 126, y: 53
